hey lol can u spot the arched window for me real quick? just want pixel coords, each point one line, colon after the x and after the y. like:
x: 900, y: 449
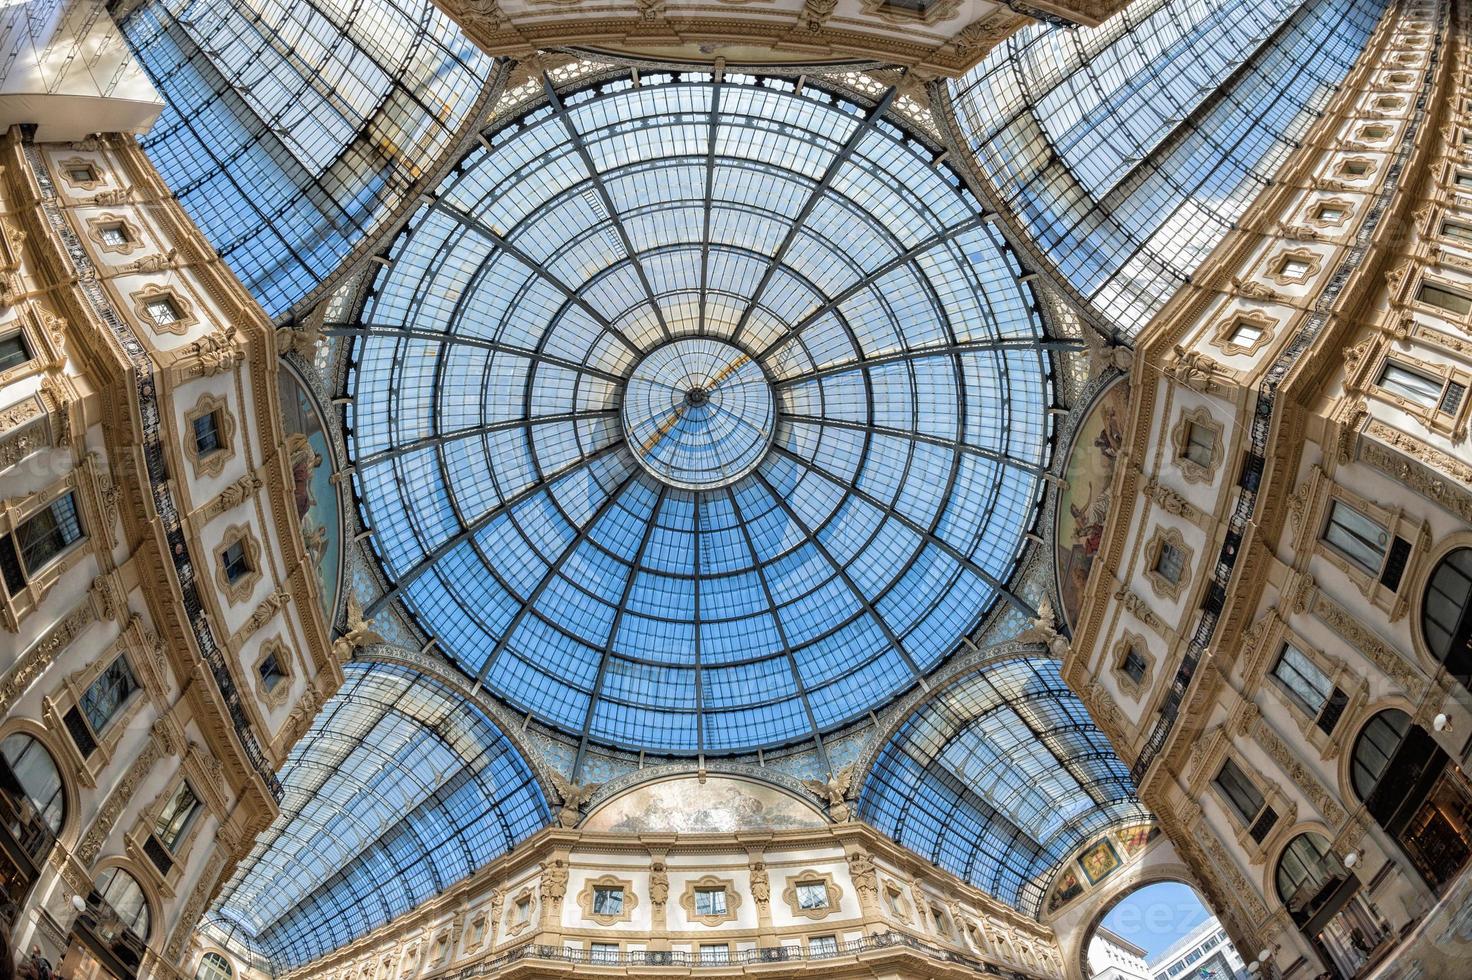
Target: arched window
x: 213, y: 966
x: 36, y: 773
x: 122, y: 892
x: 1307, y: 874
x: 1446, y: 614
x: 1375, y: 747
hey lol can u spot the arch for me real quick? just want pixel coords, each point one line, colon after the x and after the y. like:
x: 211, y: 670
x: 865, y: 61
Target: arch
x: 360, y: 117
x: 1173, y: 873
x: 32, y: 766
x: 398, y: 790
x: 1409, y: 785
x: 127, y: 896
x: 999, y: 777
x: 1442, y: 626
x: 1097, y: 148
x: 214, y: 966
x: 1325, y: 902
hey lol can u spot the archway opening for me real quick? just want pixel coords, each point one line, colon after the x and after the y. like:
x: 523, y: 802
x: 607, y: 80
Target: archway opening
x: 1416, y: 794
x: 1161, y: 929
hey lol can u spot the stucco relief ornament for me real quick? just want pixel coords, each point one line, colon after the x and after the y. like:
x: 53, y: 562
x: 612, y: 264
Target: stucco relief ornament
x: 488, y: 11
x: 659, y: 885
x: 835, y: 791
x: 862, y: 873
x: 300, y: 340
x: 815, y: 13
x: 1044, y: 630
x: 216, y: 353
x: 358, y: 634
x: 1254, y: 289
x: 554, y: 880
x: 573, y: 796
x: 153, y: 263
x: 1195, y: 370
x: 761, y: 888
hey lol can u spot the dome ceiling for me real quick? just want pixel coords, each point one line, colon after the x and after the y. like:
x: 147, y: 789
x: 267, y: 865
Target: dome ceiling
x: 699, y: 414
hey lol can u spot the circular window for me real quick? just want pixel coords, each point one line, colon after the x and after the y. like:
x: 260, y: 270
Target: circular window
x: 36, y: 773
x: 1446, y: 614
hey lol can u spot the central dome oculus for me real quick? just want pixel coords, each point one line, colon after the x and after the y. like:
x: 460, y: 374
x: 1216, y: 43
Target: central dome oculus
x: 698, y: 413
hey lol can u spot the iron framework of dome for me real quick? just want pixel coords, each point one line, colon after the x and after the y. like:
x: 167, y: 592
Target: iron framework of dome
x: 697, y: 414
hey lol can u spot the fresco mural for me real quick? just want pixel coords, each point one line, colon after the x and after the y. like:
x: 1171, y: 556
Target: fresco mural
x: 1084, y: 506
x: 716, y: 806
x: 1069, y: 887
x: 316, y: 496
x: 1098, y: 861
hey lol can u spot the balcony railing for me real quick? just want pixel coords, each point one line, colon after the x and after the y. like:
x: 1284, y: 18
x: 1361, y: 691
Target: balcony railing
x: 698, y: 959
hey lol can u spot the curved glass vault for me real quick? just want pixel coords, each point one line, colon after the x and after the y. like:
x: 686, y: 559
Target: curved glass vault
x: 697, y: 415
x: 1126, y: 152
x: 998, y: 778
x: 400, y: 788
x: 293, y: 127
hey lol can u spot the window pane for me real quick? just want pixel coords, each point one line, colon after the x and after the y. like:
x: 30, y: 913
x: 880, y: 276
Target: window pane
x: 47, y: 534
x: 1303, y: 677
x: 1413, y: 385
x: 1359, y: 538
x: 1445, y: 298
x: 176, y: 816
x: 1245, y: 798
x: 108, y: 693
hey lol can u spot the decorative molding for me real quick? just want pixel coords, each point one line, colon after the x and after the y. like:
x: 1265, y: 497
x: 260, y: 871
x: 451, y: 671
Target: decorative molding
x: 1192, y: 471
x: 33, y: 663
x: 1362, y: 638
x: 711, y: 882
x: 1289, y: 762
x: 182, y: 323
x: 210, y: 464
x: 811, y: 877
x: 1159, y: 584
x: 118, y: 800
x: 239, y: 590
x: 627, y: 905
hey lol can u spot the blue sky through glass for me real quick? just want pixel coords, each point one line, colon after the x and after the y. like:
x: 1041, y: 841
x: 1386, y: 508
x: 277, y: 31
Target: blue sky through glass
x: 1156, y: 916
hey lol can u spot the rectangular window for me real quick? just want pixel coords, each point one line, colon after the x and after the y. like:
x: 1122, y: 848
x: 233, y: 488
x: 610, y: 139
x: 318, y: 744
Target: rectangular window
x: 272, y: 674
x: 1329, y: 212
x: 1246, y: 333
x: 1133, y: 665
x: 715, y: 953
x: 812, y: 895
x: 524, y: 910
x: 710, y: 901
x: 1171, y: 564
x: 39, y: 540
x: 1410, y: 384
x: 1240, y: 791
x: 1293, y: 268
x: 603, y: 952
x: 234, y: 561
x: 608, y: 900
x: 113, y: 235
x: 13, y: 351
x: 1200, y: 444
x: 1444, y: 299
x: 206, y: 434
x: 106, y: 695
x: 823, y: 946
x: 1463, y: 178
x: 177, y: 815
x: 1311, y: 687
x: 1457, y: 230
x: 162, y: 311
x: 1357, y: 537
x: 82, y: 175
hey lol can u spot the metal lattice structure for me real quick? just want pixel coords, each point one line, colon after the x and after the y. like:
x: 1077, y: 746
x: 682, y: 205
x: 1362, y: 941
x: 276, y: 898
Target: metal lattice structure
x: 293, y: 127
x: 699, y: 415
x: 999, y: 778
x: 1125, y: 152
x: 400, y: 788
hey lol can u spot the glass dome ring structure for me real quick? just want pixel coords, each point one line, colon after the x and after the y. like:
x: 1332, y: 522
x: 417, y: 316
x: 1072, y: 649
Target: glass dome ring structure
x: 910, y: 385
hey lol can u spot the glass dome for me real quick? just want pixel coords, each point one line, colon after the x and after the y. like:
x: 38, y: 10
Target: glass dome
x: 699, y: 415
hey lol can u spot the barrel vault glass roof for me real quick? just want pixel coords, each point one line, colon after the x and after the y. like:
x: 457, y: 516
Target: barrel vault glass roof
x: 1126, y: 151
x: 400, y: 788
x: 293, y: 126
x: 998, y: 778
x: 803, y: 286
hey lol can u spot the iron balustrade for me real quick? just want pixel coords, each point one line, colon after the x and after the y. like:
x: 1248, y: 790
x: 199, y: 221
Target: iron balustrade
x: 158, y: 477
x: 742, y: 957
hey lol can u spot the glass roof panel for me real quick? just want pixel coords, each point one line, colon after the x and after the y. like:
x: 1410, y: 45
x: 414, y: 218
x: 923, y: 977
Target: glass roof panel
x: 697, y: 415
x: 400, y: 788
x: 998, y: 778
x: 1127, y: 151
x: 293, y: 126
